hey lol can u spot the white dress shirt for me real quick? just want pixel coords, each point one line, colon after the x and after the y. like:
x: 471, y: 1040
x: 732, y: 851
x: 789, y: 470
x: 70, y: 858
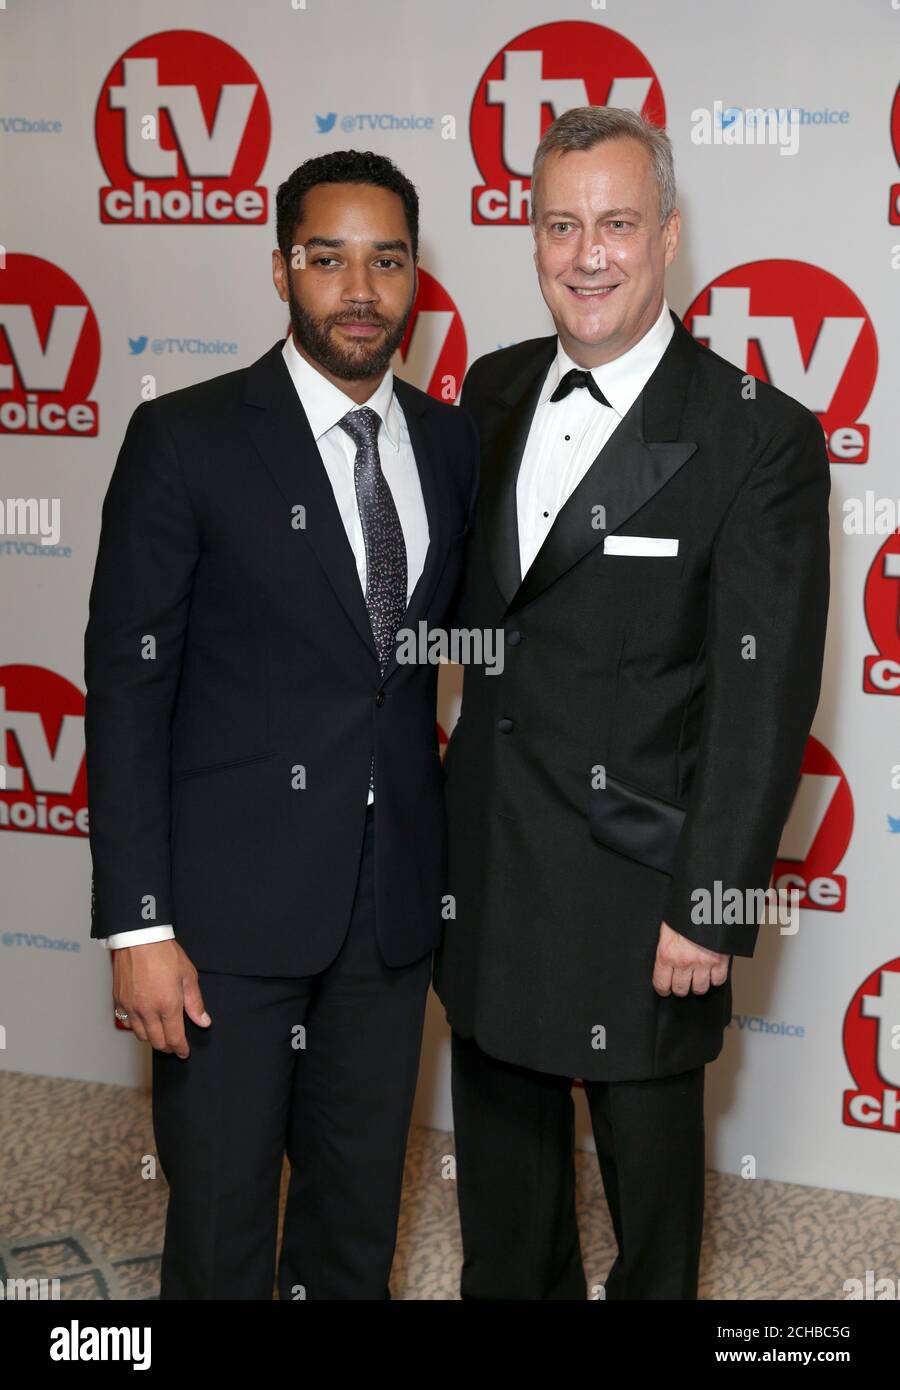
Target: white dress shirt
x: 324, y: 405
x: 566, y: 436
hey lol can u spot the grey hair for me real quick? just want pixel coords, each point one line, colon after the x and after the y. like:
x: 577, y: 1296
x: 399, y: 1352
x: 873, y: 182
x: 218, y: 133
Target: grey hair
x: 583, y: 127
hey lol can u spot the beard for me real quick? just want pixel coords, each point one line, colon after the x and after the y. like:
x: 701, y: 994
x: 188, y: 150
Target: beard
x: 356, y: 361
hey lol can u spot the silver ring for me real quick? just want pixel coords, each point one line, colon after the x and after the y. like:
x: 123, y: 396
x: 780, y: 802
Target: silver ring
x: 120, y: 1016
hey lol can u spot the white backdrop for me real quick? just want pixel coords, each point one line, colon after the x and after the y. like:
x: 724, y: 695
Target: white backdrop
x: 799, y: 246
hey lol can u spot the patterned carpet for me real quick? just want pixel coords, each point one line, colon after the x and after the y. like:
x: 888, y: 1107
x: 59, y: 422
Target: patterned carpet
x: 74, y: 1206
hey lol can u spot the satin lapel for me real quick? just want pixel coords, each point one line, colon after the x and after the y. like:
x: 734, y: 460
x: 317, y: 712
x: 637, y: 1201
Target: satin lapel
x: 281, y: 433
x: 624, y: 475
x: 501, y: 456
x: 640, y: 457
x: 428, y: 449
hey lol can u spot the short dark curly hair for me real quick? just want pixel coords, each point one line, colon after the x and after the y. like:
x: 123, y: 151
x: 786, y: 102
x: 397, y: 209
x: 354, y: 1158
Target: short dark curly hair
x: 341, y: 166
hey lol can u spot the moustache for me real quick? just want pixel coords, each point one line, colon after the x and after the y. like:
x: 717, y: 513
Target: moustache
x: 378, y: 322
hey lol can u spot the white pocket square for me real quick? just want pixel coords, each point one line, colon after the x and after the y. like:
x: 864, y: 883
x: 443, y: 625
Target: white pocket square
x: 640, y: 545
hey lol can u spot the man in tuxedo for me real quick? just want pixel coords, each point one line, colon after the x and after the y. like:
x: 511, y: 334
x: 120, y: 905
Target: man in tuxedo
x: 267, y: 818
x: 652, y: 537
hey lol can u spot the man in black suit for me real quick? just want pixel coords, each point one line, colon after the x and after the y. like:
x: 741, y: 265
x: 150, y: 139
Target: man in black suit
x: 267, y: 819
x: 652, y: 537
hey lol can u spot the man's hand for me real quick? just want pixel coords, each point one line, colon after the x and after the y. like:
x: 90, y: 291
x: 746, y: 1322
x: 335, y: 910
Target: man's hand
x: 156, y: 985
x: 681, y: 966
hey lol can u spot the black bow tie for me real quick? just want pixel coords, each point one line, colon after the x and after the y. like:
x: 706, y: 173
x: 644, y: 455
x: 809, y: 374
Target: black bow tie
x: 578, y: 378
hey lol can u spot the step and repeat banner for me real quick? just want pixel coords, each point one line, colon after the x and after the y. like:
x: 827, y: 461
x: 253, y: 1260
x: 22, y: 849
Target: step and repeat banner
x: 141, y: 146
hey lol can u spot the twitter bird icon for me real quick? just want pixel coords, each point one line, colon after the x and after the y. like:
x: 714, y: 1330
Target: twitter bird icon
x: 326, y: 122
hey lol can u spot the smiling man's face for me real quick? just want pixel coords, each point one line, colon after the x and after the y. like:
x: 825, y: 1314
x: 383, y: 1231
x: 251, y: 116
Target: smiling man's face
x: 600, y: 251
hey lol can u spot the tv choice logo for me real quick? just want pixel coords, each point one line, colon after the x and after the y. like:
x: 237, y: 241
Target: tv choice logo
x: 894, y: 204
x: 43, y: 779
x: 801, y: 329
x: 881, y: 673
x: 816, y: 834
x: 433, y: 352
x: 534, y: 78
x: 49, y: 351
x: 872, y: 1051
x: 182, y: 128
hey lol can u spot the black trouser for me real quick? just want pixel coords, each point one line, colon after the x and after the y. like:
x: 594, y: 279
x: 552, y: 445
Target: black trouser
x: 340, y: 1106
x: 515, y: 1153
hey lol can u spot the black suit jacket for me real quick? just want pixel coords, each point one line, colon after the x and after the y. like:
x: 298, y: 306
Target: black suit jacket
x: 234, y: 700
x: 633, y: 669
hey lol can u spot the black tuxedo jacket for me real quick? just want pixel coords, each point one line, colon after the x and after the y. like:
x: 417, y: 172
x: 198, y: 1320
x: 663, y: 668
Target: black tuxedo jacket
x: 645, y: 736
x: 234, y: 700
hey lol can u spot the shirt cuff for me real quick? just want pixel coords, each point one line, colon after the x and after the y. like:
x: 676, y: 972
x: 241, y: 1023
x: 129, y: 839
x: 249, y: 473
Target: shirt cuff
x: 141, y: 936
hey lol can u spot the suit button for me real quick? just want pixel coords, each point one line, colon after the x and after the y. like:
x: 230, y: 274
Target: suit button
x: 505, y: 726
x: 379, y: 698
x: 514, y: 638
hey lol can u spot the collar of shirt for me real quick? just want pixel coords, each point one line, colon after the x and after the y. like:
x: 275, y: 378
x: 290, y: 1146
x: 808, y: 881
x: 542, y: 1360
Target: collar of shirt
x: 623, y: 379
x: 324, y: 404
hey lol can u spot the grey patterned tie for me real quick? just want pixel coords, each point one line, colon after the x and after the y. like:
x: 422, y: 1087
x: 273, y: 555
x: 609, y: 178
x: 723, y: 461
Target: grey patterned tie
x: 385, y: 548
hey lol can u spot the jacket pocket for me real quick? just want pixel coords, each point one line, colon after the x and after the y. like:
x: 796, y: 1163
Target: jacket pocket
x: 179, y: 775
x: 650, y: 571
x: 637, y: 823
